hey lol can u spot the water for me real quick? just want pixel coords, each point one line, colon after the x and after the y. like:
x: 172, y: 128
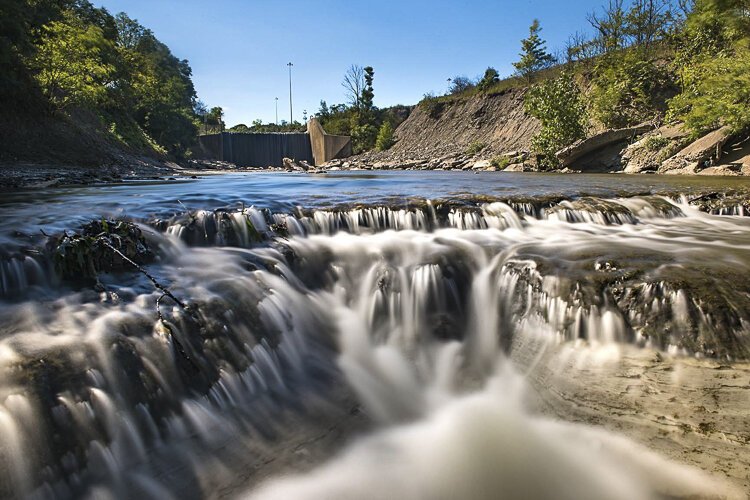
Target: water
x: 398, y: 295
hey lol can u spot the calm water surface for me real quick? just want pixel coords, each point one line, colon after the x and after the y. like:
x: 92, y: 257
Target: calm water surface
x: 55, y: 209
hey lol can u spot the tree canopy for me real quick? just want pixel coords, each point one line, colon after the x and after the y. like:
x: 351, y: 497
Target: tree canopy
x: 68, y: 55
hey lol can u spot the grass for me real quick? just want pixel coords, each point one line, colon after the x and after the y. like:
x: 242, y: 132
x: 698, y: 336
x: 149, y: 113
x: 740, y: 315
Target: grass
x: 474, y: 148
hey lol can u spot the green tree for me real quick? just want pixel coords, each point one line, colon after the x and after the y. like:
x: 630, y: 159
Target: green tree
x: 489, y: 79
x: 364, y: 130
x: 559, y: 106
x: 713, y: 64
x: 215, y: 119
x: 385, y: 136
x: 68, y: 63
x: 533, y: 54
x: 629, y: 87
x: 610, y: 27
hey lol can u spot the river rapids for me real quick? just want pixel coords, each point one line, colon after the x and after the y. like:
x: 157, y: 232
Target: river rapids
x: 418, y: 322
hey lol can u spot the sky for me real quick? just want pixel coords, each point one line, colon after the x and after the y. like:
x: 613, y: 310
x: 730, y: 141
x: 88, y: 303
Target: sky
x: 239, y: 50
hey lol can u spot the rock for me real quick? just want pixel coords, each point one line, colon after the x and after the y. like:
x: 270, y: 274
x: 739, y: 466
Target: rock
x: 648, y: 153
x: 519, y: 167
x: 733, y: 170
x: 603, y: 141
x: 291, y: 165
x: 516, y: 156
x: 699, y: 154
x: 491, y: 169
x: 481, y: 165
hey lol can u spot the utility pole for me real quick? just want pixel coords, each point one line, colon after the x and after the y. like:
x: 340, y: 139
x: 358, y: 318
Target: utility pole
x: 291, y: 114
x: 277, y: 111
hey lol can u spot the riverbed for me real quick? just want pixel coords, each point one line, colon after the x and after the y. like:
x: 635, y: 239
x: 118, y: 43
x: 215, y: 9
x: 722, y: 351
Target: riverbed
x: 379, y: 335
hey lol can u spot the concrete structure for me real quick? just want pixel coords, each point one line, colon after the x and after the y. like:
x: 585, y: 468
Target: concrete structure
x: 257, y: 150
x: 327, y: 147
x: 263, y: 150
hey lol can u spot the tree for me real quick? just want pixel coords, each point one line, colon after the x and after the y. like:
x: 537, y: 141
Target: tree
x: 629, y: 88
x: 385, y: 136
x: 368, y: 94
x: 533, y: 54
x: 490, y: 78
x: 68, y: 65
x: 647, y: 21
x: 215, y: 119
x: 559, y: 106
x: 364, y: 130
x: 460, y: 84
x: 354, y: 84
x: 714, y: 63
x: 610, y: 26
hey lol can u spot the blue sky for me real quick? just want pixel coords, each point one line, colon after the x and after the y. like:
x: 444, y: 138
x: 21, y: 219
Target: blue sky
x: 239, y: 49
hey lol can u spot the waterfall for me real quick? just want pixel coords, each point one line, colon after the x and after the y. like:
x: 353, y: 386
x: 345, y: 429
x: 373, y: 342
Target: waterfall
x: 412, y: 312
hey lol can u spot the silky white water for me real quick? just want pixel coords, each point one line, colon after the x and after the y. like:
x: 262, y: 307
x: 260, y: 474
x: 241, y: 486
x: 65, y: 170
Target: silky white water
x: 412, y: 316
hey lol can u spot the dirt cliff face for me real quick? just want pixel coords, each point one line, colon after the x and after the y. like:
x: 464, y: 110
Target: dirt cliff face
x: 498, y: 121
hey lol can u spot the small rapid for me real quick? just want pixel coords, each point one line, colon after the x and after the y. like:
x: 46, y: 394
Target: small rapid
x: 410, y: 316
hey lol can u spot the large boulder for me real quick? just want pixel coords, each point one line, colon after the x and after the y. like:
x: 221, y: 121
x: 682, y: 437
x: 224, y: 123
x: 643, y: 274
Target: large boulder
x: 603, y: 145
x: 650, y: 151
x: 481, y: 165
x: 699, y: 154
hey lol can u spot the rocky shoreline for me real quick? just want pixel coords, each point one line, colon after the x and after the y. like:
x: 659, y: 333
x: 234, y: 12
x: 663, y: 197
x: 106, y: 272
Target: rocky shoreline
x: 666, y: 150
x: 643, y: 149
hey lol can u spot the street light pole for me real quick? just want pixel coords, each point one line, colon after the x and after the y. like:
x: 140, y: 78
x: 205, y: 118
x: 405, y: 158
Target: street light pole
x: 291, y: 114
x: 277, y: 111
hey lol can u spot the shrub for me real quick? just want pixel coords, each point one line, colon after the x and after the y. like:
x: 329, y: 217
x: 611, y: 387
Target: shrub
x: 489, y: 79
x: 500, y: 162
x: 385, y: 137
x: 474, y: 148
x: 432, y: 105
x: 655, y: 143
x: 628, y: 88
x: 558, y: 105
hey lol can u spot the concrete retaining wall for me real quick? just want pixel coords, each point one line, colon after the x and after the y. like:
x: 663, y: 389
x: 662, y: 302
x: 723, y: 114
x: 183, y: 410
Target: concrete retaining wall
x: 327, y: 147
x: 257, y: 150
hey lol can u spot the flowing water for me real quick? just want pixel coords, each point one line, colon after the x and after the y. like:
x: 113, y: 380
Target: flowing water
x: 397, y: 299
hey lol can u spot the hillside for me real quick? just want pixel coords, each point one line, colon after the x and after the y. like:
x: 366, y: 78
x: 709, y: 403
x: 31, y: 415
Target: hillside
x: 455, y: 130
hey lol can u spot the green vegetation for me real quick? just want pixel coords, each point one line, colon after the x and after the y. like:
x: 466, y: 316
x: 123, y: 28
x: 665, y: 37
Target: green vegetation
x: 500, y: 162
x: 534, y: 56
x: 385, y: 137
x: 713, y: 64
x: 78, y: 65
x: 474, y: 148
x: 648, y: 60
x: 360, y: 118
x: 655, y: 143
x: 559, y: 106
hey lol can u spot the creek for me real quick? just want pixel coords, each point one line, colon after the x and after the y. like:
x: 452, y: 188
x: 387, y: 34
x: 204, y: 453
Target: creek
x: 394, y: 300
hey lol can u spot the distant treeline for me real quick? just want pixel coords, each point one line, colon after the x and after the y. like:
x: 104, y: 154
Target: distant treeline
x: 69, y: 59
x: 369, y: 126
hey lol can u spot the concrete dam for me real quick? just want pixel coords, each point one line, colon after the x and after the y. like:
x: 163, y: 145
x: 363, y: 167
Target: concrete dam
x: 269, y: 149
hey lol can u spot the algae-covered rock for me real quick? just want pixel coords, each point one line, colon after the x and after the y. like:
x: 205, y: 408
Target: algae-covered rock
x: 100, y: 246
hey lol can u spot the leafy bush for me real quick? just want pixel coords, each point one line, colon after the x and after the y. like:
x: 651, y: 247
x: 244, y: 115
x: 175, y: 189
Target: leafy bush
x: 628, y: 88
x: 385, y: 137
x: 474, y: 148
x: 559, y: 107
x: 655, y: 143
x: 500, y: 162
